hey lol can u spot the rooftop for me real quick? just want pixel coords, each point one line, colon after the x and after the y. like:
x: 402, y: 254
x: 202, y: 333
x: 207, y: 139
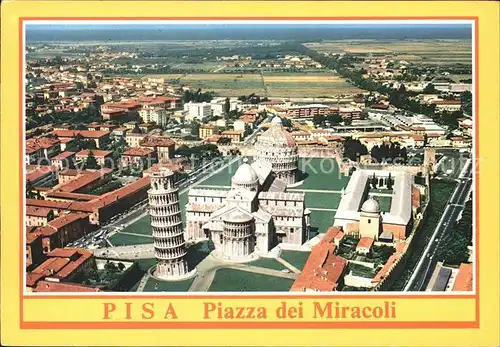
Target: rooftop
x: 84, y: 133
x: 464, y: 281
x: 49, y: 286
x: 96, y: 152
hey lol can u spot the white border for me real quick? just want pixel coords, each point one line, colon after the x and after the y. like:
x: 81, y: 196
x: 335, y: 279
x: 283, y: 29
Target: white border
x: 222, y: 22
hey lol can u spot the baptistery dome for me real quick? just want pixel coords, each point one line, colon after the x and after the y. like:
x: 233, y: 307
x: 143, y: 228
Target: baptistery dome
x: 277, y: 147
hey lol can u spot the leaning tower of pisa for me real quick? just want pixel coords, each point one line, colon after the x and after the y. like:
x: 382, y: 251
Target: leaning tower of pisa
x: 166, y: 224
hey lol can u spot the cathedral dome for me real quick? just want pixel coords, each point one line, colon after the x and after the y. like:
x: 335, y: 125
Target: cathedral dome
x: 237, y: 216
x: 370, y: 206
x: 245, y: 173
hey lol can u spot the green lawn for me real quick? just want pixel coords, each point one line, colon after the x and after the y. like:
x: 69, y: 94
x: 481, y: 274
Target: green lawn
x: 321, y: 221
x: 296, y: 258
x: 141, y: 226
x: 268, y: 263
x: 119, y: 239
x: 230, y: 280
x: 323, y: 174
x: 361, y: 271
x: 384, y: 202
x: 153, y: 285
x: 223, y: 178
x: 322, y: 200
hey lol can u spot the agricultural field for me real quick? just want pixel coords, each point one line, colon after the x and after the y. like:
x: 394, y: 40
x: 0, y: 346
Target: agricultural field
x: 286, y: 85
x: 226, y: 84
x: 423, y: 51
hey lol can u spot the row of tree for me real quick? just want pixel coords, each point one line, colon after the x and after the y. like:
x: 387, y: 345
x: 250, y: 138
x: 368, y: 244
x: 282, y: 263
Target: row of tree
x: 455, y: 244
x: 392, y: 153
x: 197, y: 96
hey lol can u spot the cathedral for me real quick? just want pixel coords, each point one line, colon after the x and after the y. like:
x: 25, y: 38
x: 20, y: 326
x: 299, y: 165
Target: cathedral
x: 257, y: 212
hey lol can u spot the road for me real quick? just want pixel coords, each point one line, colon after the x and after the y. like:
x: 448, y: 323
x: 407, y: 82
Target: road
x: 453, y: 209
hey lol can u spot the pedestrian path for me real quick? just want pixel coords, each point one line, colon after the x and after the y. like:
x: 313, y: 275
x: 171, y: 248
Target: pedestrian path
x: 212, y: 186
x: 134, y: 234
x: 288, y: 265
x: 315, y: 191
x: 143, y: 282
x: 322, y: 209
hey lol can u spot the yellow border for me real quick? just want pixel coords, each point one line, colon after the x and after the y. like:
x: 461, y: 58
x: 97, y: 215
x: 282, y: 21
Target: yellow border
x: 488, y: 77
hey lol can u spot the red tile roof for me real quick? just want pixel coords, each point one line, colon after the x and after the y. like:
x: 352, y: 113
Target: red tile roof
x: 69, y: 172
x: 157, y: 141
x: 63, y: 155
x: 37, y: 211
x: 323, y: 268
x: 116, y: 195
x: 49, y: 286
x: 446, y: 102
x: 70, y: 196
x: 463, y: 282
x: 96, y: 152
x: 84, y: 133
x: 66, y: 219
x: 138, y: 152
x: 365, y: 242
x: 34, y: 172
x: 60, y: 264
x: 87, y: 177
x: 33, y: 145
x: 31, y: 236
x: 332, y: 234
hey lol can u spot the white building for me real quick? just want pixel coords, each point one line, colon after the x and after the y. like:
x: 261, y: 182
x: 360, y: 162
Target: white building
x: 197, y: 110
x: 217, y: 106
x: 156, y: 115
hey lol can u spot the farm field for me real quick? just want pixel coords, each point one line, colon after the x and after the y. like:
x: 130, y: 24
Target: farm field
x: 270, y: 84
x: 425, y: 51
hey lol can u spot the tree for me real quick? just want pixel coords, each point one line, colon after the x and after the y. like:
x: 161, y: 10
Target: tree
x: 91, y: 162
x: 29, y: 190
x: 374, y: 181
x: 389, y: 182
x: 227, y: 107
x: 286, y: 122
x: 195, y: 128
x: 224, y: 141
x: 454, y: 251
x: 429, y: 89
x: 334, y: 118
x: 318, y: 119
x: 353, y: 149
x: 347, y: 121
x: 248, y: 130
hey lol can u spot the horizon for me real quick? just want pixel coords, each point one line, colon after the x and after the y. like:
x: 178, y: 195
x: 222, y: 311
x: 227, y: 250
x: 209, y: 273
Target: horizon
x: 245, y: 31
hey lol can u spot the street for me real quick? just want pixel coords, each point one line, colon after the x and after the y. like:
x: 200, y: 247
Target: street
x: 454, y: 208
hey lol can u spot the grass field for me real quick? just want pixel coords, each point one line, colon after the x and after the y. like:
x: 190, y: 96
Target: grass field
x: 230, y: 280
x: 153, y: 285
x: 296, y: 258
x: 119, y: 239
x: 268, y: 263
